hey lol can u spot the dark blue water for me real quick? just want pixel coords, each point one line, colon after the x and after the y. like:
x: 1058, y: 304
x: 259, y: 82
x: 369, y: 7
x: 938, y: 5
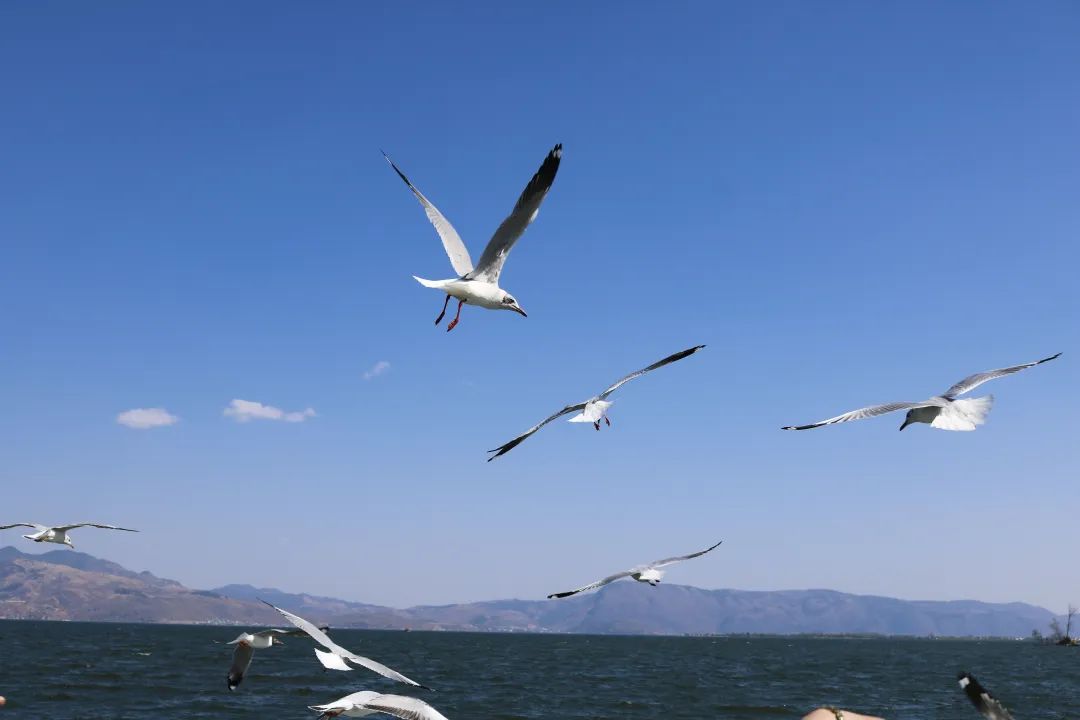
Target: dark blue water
x: 94, y: 671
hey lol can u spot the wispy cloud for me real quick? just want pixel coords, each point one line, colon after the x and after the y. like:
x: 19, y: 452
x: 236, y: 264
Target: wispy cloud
x: 377, y: 369
x: 245, y: 410
x: 146, y: 418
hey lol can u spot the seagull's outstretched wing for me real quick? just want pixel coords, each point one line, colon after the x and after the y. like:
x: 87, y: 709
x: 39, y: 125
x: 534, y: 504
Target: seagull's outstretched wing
x: 659, y: 364
x: 592, y: 586
x: 65, y: 528
x: 981, y: 698
x: 680, y: 558
x: 528, y: 205
x: 32, y: 526
x: 503, y: 449
x: 241, y: 661
x: 861, y: 413
x: 399, y: 706
x: 974, y: 381
x: 455, y: 248
x: 323, y: 639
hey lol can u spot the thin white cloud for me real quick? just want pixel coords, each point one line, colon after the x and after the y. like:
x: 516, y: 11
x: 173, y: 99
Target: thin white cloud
x: 146, y: 418
x: 245, y: 410
x: 377, y: 369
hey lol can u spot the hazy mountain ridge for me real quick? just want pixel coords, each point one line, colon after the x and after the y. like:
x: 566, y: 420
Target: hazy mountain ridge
x: 67, y: 585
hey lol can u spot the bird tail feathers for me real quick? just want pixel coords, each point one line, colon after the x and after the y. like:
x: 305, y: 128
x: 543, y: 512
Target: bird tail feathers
x: 429, y: 283
x: 964, y: 414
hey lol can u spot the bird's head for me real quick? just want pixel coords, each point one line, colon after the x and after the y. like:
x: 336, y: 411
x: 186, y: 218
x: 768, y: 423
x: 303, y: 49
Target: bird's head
x: 908, y: 419
x: 509, y: 303
x: 67, y: 541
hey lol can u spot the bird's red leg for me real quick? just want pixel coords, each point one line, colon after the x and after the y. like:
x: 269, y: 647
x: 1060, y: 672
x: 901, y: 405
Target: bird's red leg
x: 454, y: 322
x: 439, y: 319
x: 596, y: 425
x: 607, y: 421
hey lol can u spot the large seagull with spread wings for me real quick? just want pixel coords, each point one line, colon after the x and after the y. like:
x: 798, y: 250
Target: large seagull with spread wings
x: 650, y: 573
x: 58, y: 533
x: 595, y: 408
x: 947, y: 411
x: 479, y: 285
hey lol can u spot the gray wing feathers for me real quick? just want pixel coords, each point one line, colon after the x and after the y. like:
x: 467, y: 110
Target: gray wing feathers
x: 452, y: 243
x: 973, y: 381
x: 680, y: 558
x: 96, y: 525
x: 241, y: 661
x: 659, y: 364
x: 528, y: 205
x: 503, y: 449
x: 861, y: 413
x: 406, y: 708
x: 981, y: 698
x: 32, y: 526
x: 592, y: 586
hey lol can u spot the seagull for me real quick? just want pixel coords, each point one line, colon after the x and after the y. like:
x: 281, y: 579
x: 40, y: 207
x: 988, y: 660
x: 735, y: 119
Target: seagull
x: 650, y: 573
x: 246, y: 645
x: 480, y: 285
x: 945, y: 411
x: 58, y: 534
x: 594, y: 409
x: 366, y: 702
x: 981, y: 698
x: 323, y: 639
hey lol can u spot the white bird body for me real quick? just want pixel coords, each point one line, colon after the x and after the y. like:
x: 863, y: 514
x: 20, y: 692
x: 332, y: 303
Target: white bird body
x: 651, y: 576
x: 479, y: 285
x: 366, y: 702
x: 593, y: 411
x: 947, y: 411
x: 58, y: 534
x: 473, y: 292
x: 258, y: 641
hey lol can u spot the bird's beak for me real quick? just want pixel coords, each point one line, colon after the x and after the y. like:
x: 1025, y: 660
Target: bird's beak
x: 906, y: 423
x: 519, y: 311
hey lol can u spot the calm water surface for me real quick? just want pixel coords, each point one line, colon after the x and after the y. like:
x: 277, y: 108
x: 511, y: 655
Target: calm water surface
x: 97, y: 671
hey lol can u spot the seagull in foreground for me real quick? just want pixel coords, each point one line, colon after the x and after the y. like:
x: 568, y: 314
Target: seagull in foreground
x: 650, y: 573
x: 246, y: 645
x: 945, y: 411
x: 323, y: 639
x: 59, y: 533
x: 366, y: 702
x: 595, y: 408
x: 480, y: 285
x: 981, y: 698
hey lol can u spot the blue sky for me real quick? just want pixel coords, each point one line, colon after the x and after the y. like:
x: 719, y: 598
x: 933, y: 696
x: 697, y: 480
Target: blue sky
x: 849, y: 203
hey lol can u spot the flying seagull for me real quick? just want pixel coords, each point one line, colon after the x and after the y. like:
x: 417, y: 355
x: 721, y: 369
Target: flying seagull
x: 594, y: 409
x: 650, y: 573
x: 480, y: 285
x: 981, y: 698
x: 246, y: 645
x: 59, y: 533
x: 366, y: 702
x: 945, y: 412
x: 323, y: 639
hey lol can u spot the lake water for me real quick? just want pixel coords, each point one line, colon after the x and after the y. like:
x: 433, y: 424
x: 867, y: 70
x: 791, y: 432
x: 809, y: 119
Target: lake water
x: 71, y: 671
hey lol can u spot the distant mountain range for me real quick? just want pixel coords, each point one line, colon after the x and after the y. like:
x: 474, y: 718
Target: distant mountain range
x: 68, y: 585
